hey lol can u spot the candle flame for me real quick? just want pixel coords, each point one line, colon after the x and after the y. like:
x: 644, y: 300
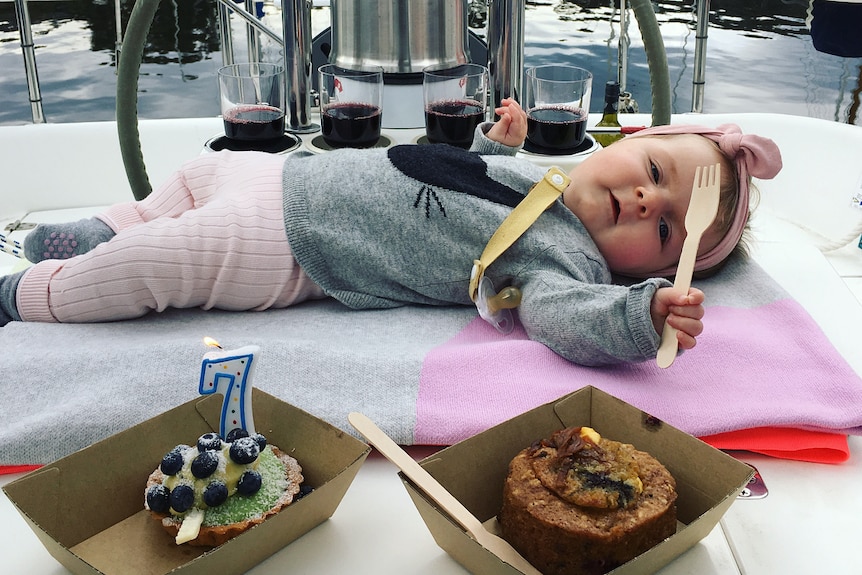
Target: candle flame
x: 211, y: 342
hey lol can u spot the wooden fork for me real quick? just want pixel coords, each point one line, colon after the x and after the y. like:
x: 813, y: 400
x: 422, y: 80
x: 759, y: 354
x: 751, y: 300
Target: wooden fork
x: 702, y: 208
x: 433, y: 489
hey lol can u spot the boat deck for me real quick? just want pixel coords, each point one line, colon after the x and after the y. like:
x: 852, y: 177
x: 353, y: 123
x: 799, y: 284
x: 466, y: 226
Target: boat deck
x: 808, y: 522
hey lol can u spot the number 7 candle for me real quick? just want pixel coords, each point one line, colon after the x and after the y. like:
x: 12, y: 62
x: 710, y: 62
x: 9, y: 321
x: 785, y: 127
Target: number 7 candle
x: 229, y: 372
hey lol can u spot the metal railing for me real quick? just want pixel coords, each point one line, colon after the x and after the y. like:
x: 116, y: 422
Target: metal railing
x: 698, y: 81
x: 297, y: 53
x: 22, y: 14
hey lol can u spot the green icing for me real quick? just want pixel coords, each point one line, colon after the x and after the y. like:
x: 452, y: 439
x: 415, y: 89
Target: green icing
x: 241, y: 507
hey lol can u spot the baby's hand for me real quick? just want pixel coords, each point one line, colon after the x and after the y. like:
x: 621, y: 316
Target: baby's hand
x: 511, y: 128
x: 682, y: 311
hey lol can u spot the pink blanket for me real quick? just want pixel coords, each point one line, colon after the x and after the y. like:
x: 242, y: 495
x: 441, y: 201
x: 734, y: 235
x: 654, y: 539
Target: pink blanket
x: 759, y: 364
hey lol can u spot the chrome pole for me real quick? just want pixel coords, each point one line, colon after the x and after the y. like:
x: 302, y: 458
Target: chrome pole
x: 296, y: 16
x: 225, y: 34
x: 252, y: 39
x: 623, y: 47
x: 22, y: 13
x: 118, y: 22
x: 251, y: 20
x: 698, y: 81
x: 505, y: 49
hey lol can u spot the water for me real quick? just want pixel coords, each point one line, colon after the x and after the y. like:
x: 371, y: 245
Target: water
x: 760, y: 58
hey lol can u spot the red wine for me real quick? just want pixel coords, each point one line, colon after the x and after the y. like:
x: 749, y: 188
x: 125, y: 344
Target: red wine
x: 253, y: 122
x: 556, y: 127
x: 453, y: 122
x: 351, y: 124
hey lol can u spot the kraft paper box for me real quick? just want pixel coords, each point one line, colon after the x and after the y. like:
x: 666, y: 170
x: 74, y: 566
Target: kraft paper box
x: 473, y: 470
x: 87, y: 508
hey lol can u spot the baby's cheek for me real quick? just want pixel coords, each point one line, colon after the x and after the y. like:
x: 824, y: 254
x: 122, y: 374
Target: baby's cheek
x: 636, y: 256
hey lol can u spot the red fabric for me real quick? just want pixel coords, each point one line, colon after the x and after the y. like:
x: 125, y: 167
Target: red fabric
x: 785, y: 443
x: 10, y: 469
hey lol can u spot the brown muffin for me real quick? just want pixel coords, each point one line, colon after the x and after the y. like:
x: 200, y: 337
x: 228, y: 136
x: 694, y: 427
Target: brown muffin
x: 579, y: 504
x: 277, y: 475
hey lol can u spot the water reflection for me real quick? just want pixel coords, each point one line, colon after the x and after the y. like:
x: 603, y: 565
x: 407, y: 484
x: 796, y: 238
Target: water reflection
x: 760, y: 57
x: 184, y: 31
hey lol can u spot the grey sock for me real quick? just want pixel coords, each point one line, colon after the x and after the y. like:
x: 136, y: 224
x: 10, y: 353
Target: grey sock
x: 63, y: 241
x: 8, y: 287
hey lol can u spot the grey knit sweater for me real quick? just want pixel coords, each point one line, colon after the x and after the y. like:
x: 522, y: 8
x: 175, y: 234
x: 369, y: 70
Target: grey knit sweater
x: 382, y: 228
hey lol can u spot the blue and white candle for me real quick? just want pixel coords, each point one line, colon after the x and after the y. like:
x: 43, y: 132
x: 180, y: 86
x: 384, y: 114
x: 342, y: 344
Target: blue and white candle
x: 229, y: 372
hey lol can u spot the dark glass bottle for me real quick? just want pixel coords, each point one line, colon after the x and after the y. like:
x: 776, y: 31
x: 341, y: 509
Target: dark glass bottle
x: 609, y: 115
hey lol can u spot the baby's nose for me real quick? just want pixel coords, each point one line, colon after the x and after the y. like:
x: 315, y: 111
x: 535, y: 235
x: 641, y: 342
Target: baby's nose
x: 648, y: 200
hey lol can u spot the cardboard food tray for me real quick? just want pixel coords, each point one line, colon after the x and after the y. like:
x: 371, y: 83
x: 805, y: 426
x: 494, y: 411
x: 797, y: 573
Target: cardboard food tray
x: 474, y: 470
x: 87, y: 508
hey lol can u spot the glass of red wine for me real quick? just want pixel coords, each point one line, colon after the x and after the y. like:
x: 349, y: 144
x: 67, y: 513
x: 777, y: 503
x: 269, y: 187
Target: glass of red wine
x: 557, y: 102
x: 456, y: 101
x: 351, y: 105
x: 252, y: 101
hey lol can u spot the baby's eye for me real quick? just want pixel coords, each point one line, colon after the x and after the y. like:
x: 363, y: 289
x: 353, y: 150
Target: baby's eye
x: 663, y: 230
x: 654, y: 172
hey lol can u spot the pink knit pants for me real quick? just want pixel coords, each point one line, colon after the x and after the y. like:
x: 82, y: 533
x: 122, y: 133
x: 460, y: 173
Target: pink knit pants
x: 212, y: 236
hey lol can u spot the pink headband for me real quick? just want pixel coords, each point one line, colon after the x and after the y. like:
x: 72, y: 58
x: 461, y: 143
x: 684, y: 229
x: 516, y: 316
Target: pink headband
x: 753, y: 156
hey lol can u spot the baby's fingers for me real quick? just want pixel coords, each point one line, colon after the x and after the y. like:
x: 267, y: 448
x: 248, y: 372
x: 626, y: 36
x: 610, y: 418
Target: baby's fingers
x: 688, y: 328
x: 689, y: 311
x: 685, y: 341
x: 695, y: 297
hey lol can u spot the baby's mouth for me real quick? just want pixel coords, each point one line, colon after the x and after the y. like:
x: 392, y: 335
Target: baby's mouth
x: 615, y: 208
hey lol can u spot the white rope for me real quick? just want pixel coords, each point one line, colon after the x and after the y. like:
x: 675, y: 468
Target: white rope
x: 825, y: 244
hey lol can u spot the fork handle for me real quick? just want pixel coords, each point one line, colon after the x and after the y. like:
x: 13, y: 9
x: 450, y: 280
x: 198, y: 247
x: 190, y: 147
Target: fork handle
x: 418, y: 474
x: 668, y: 347
x: 433, y: 489
x: 685, y: 269
x: 669, y: 344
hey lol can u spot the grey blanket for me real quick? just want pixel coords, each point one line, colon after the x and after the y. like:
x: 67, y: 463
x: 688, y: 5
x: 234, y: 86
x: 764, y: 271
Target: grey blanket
x: 426, y: 375
x: 67, y: 386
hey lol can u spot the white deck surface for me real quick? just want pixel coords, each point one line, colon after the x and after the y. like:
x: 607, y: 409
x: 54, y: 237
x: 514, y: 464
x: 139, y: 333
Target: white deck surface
x: 809, y: 522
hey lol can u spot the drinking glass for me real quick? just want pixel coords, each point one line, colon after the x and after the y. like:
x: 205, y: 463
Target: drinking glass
x: 252, y: 101
x: 557, y: 103
x: 351, y: 105
x: 455, y: 103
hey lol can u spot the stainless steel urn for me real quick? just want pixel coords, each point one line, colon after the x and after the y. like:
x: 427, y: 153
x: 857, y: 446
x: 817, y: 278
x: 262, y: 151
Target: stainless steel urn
x: 401, y: 36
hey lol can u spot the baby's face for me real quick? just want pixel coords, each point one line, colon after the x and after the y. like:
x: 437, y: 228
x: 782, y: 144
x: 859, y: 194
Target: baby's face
x: 633, y: 196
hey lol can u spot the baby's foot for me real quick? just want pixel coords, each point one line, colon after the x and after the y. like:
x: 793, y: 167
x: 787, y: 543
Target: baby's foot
x: 63, y: 241
x: 8, y: 288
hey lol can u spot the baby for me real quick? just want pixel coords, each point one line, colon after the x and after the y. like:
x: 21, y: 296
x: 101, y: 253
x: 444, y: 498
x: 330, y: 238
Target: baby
x: 381, y: 228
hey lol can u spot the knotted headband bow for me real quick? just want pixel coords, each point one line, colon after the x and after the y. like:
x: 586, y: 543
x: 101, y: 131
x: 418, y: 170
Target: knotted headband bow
x: 752, y: 155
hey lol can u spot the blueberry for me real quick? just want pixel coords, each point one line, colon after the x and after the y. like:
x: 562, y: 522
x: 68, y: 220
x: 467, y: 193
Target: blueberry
x: 204, y: 464
x: 172, y: 462
x: 215, y: 494
x: 304, y: 490
x: 158, y: 498
x: 235, y: 434
x: 209, y: 441
x: 244, y: 450
x: 182, y: 498
x: 249, y: 483
x: 261, y: 440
